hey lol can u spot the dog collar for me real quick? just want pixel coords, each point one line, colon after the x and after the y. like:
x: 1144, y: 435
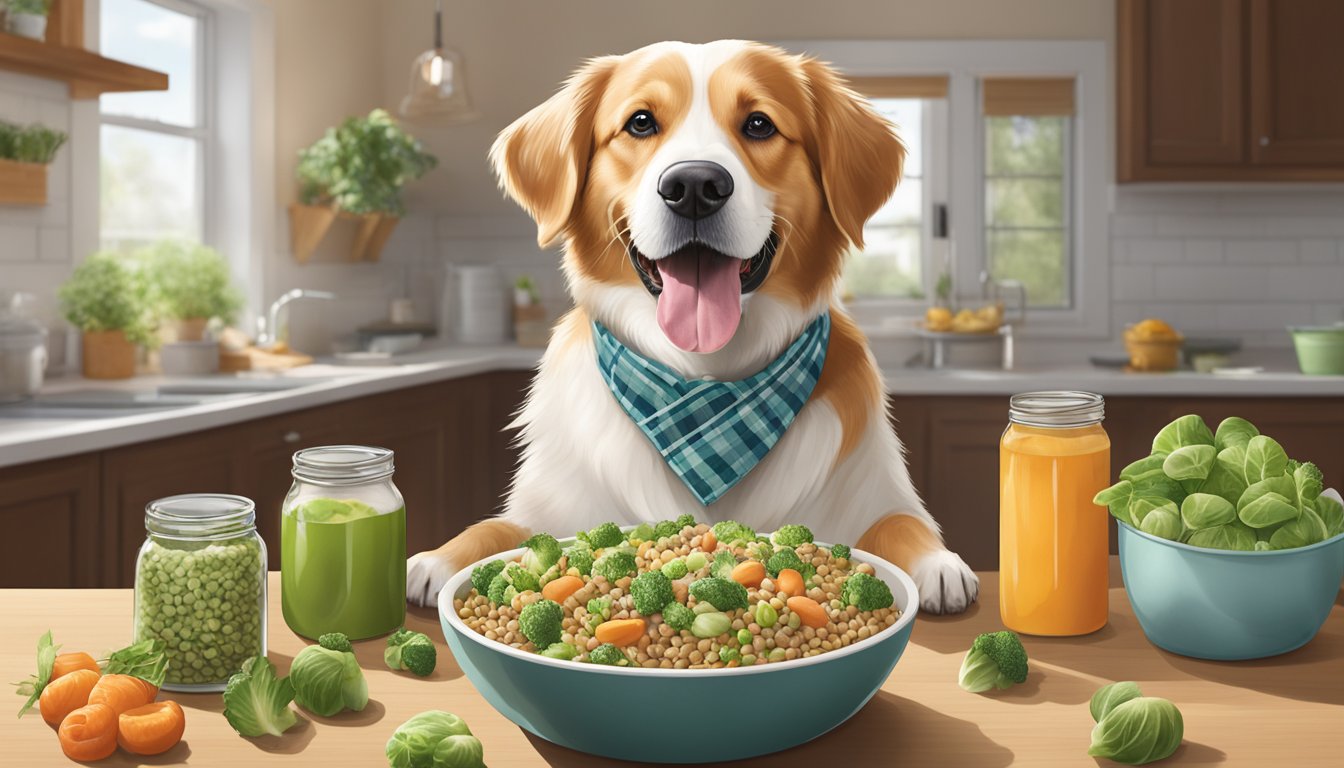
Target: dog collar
x: 712, y: 433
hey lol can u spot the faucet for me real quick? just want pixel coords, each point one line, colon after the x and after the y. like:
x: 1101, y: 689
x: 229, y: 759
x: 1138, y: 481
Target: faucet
x: 268, y: 328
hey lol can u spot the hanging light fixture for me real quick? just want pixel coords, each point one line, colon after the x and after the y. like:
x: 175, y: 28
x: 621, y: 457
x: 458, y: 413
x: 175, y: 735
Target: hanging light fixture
x: 438, y: 86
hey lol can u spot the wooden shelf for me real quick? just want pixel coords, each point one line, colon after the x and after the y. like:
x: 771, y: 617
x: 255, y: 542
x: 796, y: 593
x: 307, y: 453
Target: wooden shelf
x: 87, y: 73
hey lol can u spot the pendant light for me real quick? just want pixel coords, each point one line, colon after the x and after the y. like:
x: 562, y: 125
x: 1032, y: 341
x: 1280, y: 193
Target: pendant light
x: 438, y: 86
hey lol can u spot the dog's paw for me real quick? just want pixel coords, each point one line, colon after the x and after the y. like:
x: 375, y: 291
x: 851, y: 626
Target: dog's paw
x: 946, y: 584
x: 426, y: 573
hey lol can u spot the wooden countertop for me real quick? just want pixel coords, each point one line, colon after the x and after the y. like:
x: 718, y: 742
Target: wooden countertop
x: 1281, y: 711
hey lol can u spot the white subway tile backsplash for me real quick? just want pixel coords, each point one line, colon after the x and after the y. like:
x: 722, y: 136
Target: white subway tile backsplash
x: 1240, y: 316
x: 1222, y: 283
x: 1328, y: 314
x: 1275, y: 252
x: 1305, y: 282
x: 1203, y: 251
x: 1319, y: 251
x: 1131, y: 282
x: 18, y: 243
x: 1151, y: 250
x: 53, y: 244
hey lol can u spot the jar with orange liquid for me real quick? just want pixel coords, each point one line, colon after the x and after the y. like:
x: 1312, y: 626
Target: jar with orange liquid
x: 1053, y: 542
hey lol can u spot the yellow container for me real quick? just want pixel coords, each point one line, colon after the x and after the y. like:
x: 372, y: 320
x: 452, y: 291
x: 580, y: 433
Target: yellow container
x: 1053, y: 541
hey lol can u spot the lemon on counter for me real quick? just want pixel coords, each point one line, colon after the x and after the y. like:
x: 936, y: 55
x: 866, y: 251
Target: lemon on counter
x: 938, y: 319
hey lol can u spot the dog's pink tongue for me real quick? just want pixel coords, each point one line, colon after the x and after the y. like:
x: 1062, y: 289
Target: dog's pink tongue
x: 701, y: 302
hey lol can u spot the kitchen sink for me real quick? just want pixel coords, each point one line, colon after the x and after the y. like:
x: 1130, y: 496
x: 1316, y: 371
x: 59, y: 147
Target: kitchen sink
x: 100, y: 403
x: 239, y: 384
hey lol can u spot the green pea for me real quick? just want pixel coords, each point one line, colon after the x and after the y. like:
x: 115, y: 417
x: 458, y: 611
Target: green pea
x: 747, y: 659
x: 728, y: 654
x: 696, y: 560
x: 776, y: 654
x: 766, y: 615
x: 795, y: 621
x: 744, y: 636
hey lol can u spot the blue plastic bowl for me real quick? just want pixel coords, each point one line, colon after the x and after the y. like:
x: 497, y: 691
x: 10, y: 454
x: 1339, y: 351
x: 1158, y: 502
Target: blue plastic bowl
x: 622, y: 712
x: 1227, y: 605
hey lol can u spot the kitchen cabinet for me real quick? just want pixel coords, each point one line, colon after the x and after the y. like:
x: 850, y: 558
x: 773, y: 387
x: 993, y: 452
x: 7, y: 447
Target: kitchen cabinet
x: 49, y: 513
x: 1230, y: 90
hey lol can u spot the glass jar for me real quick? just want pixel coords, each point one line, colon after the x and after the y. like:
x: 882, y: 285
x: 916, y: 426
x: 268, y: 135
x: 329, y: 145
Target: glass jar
x: 1053, y: 541
x: 343, y: 544
x: 200, y: 587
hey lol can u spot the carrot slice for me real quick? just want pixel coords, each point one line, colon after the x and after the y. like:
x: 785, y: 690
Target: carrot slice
x: 620, y: 632
x: 790, y: 582
x: 151, y: 729
x: 69, y: 662
x: 709, y: 542
x: 89, y: 733
x: 66, y: 694
x: 561, y: 588
x: 749, y: 573
x: 122, y: 692
x: 809, y: 611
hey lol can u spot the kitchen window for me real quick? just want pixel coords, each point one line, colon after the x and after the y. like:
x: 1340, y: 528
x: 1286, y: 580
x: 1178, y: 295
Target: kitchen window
x: 155, y: 146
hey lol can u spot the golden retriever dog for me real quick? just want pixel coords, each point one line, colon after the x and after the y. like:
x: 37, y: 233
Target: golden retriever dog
x: 706, y: 197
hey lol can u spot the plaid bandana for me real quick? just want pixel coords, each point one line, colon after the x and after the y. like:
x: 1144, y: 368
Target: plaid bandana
x: 712, y: 433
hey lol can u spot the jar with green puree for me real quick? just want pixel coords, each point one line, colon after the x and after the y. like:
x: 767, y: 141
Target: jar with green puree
x: 200, y: 587
x: 343, y: 544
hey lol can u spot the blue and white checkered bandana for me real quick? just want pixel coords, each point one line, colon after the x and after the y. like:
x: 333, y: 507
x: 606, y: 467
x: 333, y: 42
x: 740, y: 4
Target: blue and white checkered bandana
x: 712, y: 433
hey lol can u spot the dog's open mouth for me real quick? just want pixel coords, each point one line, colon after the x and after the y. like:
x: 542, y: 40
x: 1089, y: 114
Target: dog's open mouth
x: 700, y: 290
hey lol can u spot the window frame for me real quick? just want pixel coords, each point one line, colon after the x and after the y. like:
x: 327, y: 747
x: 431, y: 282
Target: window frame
x: 966, y: 63
x: 204, y: 132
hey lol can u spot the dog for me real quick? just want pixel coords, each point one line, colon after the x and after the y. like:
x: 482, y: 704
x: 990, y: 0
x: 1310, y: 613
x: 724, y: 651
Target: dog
x: 706, y: 196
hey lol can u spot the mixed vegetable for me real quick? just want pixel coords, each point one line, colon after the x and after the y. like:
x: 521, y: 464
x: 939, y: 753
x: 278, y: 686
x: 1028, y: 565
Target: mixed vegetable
x: 996, y: 660
x: 678, y: 594
x: 1233, y: 488
x: 1132, y: 728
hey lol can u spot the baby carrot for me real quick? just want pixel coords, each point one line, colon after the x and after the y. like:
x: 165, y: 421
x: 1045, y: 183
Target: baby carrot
x: 151, y: 729
x: 66, y: 694
x: 89, y: 733
x: 620, y: 632
x: 749, y: 573
x: 709, y: 542
x: 122, y: 692
x: 811, y: 614
x: 790, y: 582
x: 69, y: 662
x: 561, y: 588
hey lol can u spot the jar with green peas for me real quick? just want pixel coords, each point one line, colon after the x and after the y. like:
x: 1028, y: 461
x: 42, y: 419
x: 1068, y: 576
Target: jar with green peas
x: 200, y: 587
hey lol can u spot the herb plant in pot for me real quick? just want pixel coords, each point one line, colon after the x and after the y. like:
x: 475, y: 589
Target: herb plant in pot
x: 191, y: 285
x: 356, y: 170
x: 106, y: 298
x: 27, y: 18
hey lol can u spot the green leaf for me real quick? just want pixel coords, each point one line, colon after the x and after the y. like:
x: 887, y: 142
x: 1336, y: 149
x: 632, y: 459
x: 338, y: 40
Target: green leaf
x: 1141, y: 506
x: 1282, y: 485
x: 1143, y: 468
x: 1306, y: 530
x: 1309, y: 482
x: 1225, y: 482
x: 46, y: 661
x: 1265, y: 458
x: 1108, y: 697
x: 1187, y: 430
x: 1190, y: 462
x: 1234, y: 460
x: 145, y: 660
x: 1234, y: 431
x: 1204, y: 510
x: 1332, y: 514
x: 1164, y: 522
x: 1234, y: 536
x: 1160, y: 485
x: 1269, y: 509
x: 1116, y: 499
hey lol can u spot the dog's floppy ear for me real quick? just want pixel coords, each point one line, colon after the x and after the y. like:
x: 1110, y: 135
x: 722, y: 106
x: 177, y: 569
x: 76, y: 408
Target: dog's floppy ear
x: 855, y: 149
x: 542, y: 158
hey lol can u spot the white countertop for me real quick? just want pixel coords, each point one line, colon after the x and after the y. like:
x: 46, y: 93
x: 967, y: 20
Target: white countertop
x: 28, y: 439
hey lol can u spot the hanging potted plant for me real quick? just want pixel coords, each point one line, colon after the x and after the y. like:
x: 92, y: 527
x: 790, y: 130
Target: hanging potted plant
x: 357, y: 170
x: 191, y: 286
x: 106, y: 298
x: 25, y: 153
x: 27, y: 18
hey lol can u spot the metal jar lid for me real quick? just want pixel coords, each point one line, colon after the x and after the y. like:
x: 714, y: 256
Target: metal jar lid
x: 200, y: 516
x: 342, y: 464
x: 1061, y: 409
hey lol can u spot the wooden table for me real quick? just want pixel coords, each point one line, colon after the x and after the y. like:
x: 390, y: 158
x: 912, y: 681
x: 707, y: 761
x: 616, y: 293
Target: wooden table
x: 1283, y: 711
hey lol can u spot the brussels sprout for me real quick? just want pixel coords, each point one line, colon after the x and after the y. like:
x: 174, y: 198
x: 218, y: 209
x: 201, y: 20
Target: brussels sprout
x: 416, y: 743
x: 1204, y: 510
x: 1234, y: 536
x: 1269, y: 509
x: 1190, y: 462
x: 1331, y: 512
x: 1117, y: 499
x: 1306, y: 530
x: 1225, y: 482
x: 1142, y: 506
x: 327, y: 679
x: 459, y: 751
x: 1234, y: 432
x: 1143, y: 468
x: 1187, y: 430
x: 1265, y: 458
x: 1164, y: 523
x: 1138, y: 731
x: 1109, y: 697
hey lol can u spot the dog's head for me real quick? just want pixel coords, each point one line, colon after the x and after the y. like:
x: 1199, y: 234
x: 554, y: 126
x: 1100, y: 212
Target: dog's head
x: 688, y: 178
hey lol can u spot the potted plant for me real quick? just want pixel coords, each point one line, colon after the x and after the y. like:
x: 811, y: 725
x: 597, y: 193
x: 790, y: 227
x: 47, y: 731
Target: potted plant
x: 27, y: 18
x: 25, y: 151
x: 356, y: 169
x: 191, y: 285
x: 106, y: 298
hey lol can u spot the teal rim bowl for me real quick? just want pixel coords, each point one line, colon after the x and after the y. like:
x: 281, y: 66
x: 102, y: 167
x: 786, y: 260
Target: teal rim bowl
x: 679, y: 716
x: 1229, y: 605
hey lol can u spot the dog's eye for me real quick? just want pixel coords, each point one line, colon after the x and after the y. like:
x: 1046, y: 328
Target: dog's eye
x: 641, y: 124
x: 758, y: 126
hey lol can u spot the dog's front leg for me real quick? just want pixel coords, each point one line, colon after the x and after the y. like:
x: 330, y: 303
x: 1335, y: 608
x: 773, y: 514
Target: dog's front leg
x: 946, y: 584
x: 427, y: 572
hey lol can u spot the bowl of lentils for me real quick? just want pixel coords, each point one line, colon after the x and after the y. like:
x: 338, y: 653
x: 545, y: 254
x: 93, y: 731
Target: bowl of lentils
x: 594, y: 642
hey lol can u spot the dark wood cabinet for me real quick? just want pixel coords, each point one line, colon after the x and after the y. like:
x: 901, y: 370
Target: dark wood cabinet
x: 50, y: 514
x: 1230, y: 90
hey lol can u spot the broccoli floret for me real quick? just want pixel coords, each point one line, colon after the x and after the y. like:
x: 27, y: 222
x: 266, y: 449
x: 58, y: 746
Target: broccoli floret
x: 615, y: 565
x: 723, y: 565
x: 540, y: 622
x: 651, y: 590
x: 730, y: 531
x: 604, y: 535
x: 641, y: 532
x: 411, y: 650
x: 807, y: 572
x: 724, y: 594
x: 675, y: 569
x: 996, y: 660
x: 792, y: 536
x: 784, y: 558
x: 678, y: 616
x: 867, y: 592
x: 499, y: 586
x: 760, y: 550
x: 482, y: 575
x: 514, y: 577
x: 543, y: 551
x: 666, y: 528
x: 563, y: 651
x: 608, y: 654
x: 335, y: 641
x: 601, y: 607
x: 685, y: 520
x: 840, y: 551
x: 1309, y: 480
x: 580, y: 557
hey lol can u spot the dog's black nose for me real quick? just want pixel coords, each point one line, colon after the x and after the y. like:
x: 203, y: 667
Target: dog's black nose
x: 694, y: 189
